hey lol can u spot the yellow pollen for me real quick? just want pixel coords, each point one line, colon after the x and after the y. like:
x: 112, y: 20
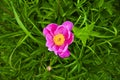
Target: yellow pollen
x: 59, y: 39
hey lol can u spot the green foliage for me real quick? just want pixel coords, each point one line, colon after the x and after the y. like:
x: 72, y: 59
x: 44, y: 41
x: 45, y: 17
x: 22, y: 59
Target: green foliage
x: 95, y: 52
x: 85, y: 32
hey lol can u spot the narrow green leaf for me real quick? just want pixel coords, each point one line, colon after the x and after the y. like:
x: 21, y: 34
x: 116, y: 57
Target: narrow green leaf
x: 21, y: 24
x: 101, y: 2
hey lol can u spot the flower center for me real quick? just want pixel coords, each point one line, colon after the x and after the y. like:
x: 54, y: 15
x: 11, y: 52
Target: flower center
x: 59, y: 39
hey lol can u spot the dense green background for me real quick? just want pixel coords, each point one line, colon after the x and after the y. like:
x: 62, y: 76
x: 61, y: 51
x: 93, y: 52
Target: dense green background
x: 95, y: 52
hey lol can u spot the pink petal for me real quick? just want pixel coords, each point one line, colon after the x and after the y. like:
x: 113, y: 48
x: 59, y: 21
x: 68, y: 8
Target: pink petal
x: 46, y: 31
x: 60, y: 49
x: 49, y: 37
x: 50, y: 44
x: 65, y: 54
x: 55, y: 49
x: 63, y: 48
x: 49, y: 29
x: 70, y: 39
x: 60, y: 30
x: 67, y: 35
x: 68, y: 25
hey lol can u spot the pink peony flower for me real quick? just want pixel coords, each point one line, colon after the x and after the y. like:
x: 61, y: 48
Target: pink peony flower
x: 59, y: 37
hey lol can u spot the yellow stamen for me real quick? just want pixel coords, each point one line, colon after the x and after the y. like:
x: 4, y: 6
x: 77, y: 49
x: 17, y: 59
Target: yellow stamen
x: 59, y: 39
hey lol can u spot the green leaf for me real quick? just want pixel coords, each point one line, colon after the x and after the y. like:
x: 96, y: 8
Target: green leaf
x: 109, y: 7
x: 100, y: 3
x: 95, y: 34
x: 21, y: 25
x: 84, y: 32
